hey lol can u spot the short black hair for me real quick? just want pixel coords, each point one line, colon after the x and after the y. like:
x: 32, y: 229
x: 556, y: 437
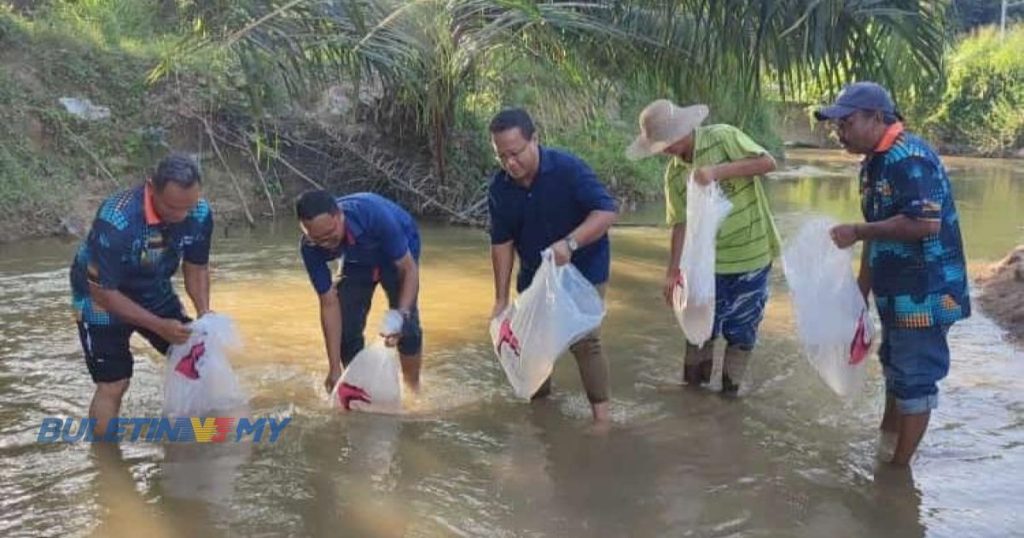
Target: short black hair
x: 513, y: 118
x: 178, y: 168
x: 313, y: 203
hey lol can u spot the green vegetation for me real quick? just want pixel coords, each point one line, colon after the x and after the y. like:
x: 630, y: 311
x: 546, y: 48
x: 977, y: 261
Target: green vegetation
x: 100, y: 50
x: 970, y: 14
x: 45, y: 151
x: 982, y: 108
x: 438, y: 67
x: 395, y: 95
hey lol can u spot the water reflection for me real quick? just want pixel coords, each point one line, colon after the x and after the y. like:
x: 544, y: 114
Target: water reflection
x: 121, y: 508
x: 469, y: 459
x: 202, y: 472
x: 897, y: 501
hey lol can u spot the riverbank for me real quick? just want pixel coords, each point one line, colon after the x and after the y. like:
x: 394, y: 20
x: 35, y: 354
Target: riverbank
x: 82, y: 115
x: 1002, y: 293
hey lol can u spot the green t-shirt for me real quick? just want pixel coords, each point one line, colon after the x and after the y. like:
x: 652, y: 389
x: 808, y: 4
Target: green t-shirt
x: 747, y: 239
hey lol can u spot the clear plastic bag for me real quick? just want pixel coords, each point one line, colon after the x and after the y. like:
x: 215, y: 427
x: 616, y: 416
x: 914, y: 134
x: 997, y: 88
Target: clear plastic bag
x: 693, y: 298
x: 558, y: 309
x: 832, y: 319
x: 199, y: 380
x: 372, y: 382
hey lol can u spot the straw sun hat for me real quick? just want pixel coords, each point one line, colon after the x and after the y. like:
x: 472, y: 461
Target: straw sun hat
x: 663, y: 124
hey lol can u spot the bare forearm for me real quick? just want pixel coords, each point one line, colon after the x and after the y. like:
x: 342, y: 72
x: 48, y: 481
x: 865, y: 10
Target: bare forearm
x: 676, y: 247
x: 501, y: 262
x: 409, y: 274
x: 754, y: 166
x: 197, y: 286
x: 594, y: 227
x: 330, y: 322
x: 898, y: 228
x: 124, y: 308
x: 864, y: 274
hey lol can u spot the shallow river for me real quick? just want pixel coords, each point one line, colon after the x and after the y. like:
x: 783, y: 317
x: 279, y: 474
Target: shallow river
x: 789, y: 459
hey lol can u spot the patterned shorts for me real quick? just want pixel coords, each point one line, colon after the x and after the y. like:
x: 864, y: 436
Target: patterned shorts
x: 739, y: 306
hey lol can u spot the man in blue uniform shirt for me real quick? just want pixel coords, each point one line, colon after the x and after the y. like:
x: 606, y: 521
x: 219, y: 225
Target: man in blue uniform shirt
x: 377, y: 242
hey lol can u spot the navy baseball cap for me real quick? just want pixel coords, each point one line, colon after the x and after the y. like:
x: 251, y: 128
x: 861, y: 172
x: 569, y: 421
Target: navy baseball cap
x: 859, y: 96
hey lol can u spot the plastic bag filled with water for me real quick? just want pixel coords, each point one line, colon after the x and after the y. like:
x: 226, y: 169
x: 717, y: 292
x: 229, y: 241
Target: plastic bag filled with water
x: 832, y: 319
x: 372, y: 382
x: 693, y: 298
x: 199, y: 380
x: 558, y: 309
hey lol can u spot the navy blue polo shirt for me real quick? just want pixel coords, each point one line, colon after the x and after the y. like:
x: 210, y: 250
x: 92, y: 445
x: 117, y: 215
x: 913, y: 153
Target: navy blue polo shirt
x: 564, y: 192
x: 378, y: 233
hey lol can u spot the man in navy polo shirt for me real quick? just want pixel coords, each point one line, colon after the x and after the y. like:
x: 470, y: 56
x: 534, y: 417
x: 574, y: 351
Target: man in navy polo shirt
x: 121, y: 276
x: 547, y: 198
x: 377, y: 242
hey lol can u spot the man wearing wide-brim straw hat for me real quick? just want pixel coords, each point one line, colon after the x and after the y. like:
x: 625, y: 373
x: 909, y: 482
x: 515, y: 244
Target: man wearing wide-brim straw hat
x: 747, y: 240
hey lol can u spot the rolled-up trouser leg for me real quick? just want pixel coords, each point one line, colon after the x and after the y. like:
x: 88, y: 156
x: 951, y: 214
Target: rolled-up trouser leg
x: 742, y: 298
x: 593, y: 366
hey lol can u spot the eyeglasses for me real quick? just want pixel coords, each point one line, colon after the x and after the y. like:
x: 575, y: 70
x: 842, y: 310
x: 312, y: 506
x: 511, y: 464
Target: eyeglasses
x: 323, y: 242
x: 504, y: 158
x: 323, y: 239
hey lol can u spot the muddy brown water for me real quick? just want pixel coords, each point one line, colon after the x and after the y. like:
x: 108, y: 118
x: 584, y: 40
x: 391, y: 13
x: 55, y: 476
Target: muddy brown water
x: 789, y: 459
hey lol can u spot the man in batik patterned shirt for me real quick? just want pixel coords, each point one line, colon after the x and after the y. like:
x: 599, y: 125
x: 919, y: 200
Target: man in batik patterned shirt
x: 913, y: 258
x: 121, y: 276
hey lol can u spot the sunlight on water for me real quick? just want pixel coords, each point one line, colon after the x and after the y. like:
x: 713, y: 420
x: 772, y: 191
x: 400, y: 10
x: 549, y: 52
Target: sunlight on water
x: 469, y: 459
